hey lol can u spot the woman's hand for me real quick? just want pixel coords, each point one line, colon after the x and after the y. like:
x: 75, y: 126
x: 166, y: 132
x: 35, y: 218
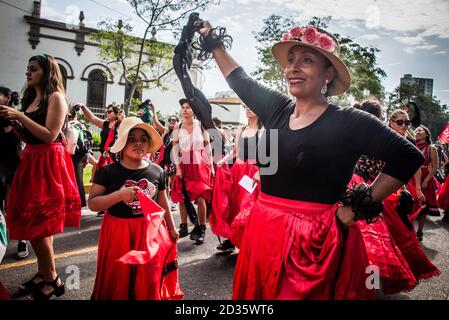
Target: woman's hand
x: 127, y: 195
x: 345, y: 215
x: 10, y: 113
x: 256, y: 178
x: 420, y: 196
x: 221, y: 162
x: 206, y: 26
x: 178, y: 172
x: 174, y: 234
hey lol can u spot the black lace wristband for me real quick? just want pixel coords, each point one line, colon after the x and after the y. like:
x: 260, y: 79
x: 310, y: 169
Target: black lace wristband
x: 215, y: 38
x: 362, y: 203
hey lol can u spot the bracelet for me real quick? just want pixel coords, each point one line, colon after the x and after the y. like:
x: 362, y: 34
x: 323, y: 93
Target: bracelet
x: 215, y: 38
x: 362, y: 203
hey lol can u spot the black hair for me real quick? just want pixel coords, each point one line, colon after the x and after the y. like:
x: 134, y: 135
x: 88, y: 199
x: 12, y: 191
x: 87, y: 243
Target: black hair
x: 217, y: 122
x: 372, y: 107
x: 12, y: 95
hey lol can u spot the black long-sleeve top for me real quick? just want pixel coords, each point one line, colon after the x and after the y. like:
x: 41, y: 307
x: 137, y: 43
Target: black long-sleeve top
x: 315, y: 163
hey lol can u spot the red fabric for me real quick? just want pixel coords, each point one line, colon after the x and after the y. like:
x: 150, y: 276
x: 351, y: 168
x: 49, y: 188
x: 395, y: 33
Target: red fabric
x: 443, y: 196
x: 160, y: 157
x: 221, y: 201
x: 104, y: 161
x: 430, y: 191
x: 444, y: 136
x: 406, y: 241
x: 198, y: 180
x: 4, y: 295
x: 380, y: 250
x: 44, y: 197
x: 231, y: 203
x: 119, y: 281
x: 290, y: 250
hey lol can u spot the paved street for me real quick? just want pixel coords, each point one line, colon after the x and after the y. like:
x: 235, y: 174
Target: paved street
x: 204, y: 273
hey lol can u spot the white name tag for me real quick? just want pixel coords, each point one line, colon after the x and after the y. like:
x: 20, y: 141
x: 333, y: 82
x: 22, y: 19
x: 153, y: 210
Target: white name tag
x: 247, y: 184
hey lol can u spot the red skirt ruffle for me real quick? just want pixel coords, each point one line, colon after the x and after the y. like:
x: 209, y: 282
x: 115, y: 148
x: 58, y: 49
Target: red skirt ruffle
x: 291, y: 250
x: 382, y: 252
x: 198, y: 180
x: 156, y: 280
x: 44, y: 197
x: 443, y: 196
x: 407, y: 242
x: 231, y: 203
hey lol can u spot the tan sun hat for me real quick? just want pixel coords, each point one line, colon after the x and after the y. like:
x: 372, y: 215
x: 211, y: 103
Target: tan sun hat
x: 136, y: 123
x: 321, y: 41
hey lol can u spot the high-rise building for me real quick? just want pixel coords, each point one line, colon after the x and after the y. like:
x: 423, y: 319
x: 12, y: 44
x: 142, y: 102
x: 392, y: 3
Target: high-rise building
x: 424, y: 84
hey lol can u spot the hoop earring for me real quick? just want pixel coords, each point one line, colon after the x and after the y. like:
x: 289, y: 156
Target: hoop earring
x: 324, y: 88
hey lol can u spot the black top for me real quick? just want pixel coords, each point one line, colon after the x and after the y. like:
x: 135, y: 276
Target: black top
x: 316, y: 163
x: 114, y: 177
x: 105, y: 133
x: 39, y: 117
x: 248, y: 147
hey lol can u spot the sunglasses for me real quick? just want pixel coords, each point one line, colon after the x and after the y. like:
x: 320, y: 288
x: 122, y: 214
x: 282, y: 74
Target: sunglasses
x: 109, y: 111
x: 402, y: 122
x: 172, y: 120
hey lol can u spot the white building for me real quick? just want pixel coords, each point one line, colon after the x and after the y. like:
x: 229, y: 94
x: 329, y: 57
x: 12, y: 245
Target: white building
x: 23, y: 34
x: 423, y: 84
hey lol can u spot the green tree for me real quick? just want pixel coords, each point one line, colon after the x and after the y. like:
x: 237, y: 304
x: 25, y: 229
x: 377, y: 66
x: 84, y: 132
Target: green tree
x: 118, y: 46
x: 433, y: 115
x: 361, y: 61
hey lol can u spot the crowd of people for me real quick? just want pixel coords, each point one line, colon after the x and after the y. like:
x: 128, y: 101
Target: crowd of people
x: 346, y: 194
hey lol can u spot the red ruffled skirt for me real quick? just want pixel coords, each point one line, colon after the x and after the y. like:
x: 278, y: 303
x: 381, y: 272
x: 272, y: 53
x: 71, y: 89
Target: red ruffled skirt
x: 443, y: 196
x: 407, y: 242
x: 430, y: 192
x: 44, y: 197
x: 382, y: 252
x: 155, y: 280
x: 293, y: 250
x: 231, y: 203
x: 198, y: 180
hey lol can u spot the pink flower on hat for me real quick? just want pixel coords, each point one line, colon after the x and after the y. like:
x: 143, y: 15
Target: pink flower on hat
x: 310, y: 35
x: 296, y: 32
x: 325, y: 42
x: 286, y: 37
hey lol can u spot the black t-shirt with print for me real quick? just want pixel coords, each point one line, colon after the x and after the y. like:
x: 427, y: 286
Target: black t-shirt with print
x: 114, y: 177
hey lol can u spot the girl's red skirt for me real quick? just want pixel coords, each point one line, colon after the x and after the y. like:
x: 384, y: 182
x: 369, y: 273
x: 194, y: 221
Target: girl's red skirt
x: 231, y: 203
x: 198, y: 180
x: 155, y: 280
x: 44, y: 197
x: 443, y: 196
x: 293, y: 250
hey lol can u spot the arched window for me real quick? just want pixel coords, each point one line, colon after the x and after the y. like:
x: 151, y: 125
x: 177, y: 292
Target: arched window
x: 96, y: 92
x: 64, y: 75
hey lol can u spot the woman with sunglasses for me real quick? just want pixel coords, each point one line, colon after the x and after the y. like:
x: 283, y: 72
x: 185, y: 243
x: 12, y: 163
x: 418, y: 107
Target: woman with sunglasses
x: 108, y: 132
x: 403, y: 233
x: 428, y: 170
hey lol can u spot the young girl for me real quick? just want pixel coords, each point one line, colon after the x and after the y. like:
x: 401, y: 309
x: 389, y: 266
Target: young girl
x: 44, y: 197
x: 125, y: 228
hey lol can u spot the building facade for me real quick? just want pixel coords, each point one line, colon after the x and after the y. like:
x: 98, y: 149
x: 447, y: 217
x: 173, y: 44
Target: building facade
x: 423, y: 84
x: 24, y: 33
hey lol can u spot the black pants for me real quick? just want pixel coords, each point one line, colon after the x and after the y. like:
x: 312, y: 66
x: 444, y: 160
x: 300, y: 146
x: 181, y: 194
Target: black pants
x: 78, y: 164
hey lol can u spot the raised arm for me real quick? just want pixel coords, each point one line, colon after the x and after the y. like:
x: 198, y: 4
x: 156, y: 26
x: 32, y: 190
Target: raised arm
x: 262, y: 100
x: 91, y: 117
x: 157, y: 124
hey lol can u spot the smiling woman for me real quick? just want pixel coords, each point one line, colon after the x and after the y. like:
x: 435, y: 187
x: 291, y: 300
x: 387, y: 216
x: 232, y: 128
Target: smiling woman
x: 300, y: 205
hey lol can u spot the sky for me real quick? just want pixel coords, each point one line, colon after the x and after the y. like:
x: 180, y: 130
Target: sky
x: 413, y: 36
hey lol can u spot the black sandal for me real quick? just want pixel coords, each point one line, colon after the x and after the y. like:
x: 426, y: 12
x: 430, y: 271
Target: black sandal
x: 57, y: 290
x: 30, y: 286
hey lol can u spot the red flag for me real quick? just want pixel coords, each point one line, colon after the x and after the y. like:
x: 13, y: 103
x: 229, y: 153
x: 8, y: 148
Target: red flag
x: 153, y: 214
x: 444, y: 136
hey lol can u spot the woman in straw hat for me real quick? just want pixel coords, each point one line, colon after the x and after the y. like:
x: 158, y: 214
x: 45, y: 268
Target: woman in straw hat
x: 131, y: 264
x: 293, y: 243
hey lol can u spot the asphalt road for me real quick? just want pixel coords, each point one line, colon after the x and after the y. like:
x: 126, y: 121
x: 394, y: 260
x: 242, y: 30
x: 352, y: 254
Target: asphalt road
x: 205, y: 274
